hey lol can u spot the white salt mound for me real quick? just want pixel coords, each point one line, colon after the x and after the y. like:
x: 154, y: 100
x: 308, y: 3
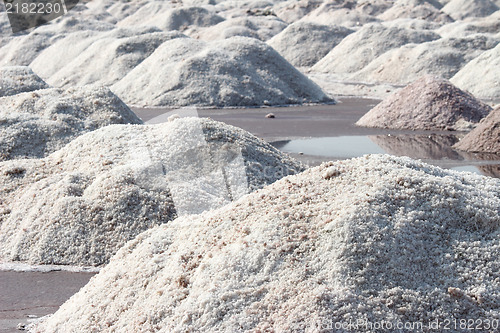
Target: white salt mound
x: 260, y: 27
x: 342, y: 13
x: 485, y: 138
x: 21, y: 50
x: 293, y: 10
x: 418, y: 9
x: 65, y: 50
x: 117, y: 57
x: 34, y: 124
x: 481, y: 76
x: 358, y: 49
x: 443, y: 57
x: 79, y: 205
x: 464, y: 9
x: 429, y: 103
x: 377, y: 238
x: 303, y: 44
x: 237, y: 71
x: 18, y: 79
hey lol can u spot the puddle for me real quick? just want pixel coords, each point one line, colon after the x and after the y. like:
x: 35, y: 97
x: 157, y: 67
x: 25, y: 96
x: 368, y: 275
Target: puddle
x: 431, y: 148
x: 333, y: 147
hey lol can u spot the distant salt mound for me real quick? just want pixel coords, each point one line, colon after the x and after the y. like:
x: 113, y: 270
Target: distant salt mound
x: 34, y: 124
x: 117, y: 57
x: 414, y: 24
x: 417, y: 9
x: 18, y: 79
x: 338, y: 13
x: 260, y: 27
x: 358, y: 49
x: 443, y: 57
x: 180, y: 19
x: 465, y: 9
x: 79, y: 205
x: 293, y: 10
x: 71, y: 46
x: 481, y: 76
x: 297, y: 41
x: 371, y: 238
x: 237, y: 71
x: 485, y: 138
x: 21, y: 50
x: 465, y: 28
x: 427, y: 104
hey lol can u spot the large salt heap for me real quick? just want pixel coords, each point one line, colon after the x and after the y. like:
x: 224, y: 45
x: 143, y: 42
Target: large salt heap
x: 429, y: 103
x: 358, y: 49
x: 298, y: 39
x: 79, y: 205
x: 364, y: 241
x: 481, y: 75
x: 485, y: 138
x: 443, y: 57
x: 238, y: 71
x: 34, y: 124
x: 18, y: 79
x: 117, y: 57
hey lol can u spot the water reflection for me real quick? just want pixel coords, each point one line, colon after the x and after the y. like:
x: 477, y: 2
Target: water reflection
x: 432, y: 147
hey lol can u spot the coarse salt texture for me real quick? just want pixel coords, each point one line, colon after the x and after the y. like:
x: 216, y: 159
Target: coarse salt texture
x: 485, y: 138
x: 368, y: 239
x: 35, y: 124
x: 79, y: 205
x: 18, y: 79
x: 429, y: 103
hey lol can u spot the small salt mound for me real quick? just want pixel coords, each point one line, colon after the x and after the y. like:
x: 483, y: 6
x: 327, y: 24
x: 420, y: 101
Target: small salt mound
x: 21, y: 50
x: 260, y: 27
x: 79, y: 205
x: 67, y: 24
x: 358, y: 49
x: 65, y: 50
x: 378, y: 239
x: 485, y: 138
x: 462, y: 28
x: 414, y: 24
x: 34, y: 124
x: 418, y: 9
x: 464, y: 9
x: 373, y: 7
x: 428, y: 103
x: 237, y: 71
x: 298, y: 39
x: 117, y: 57
x: 18, y: 79
x: 344, y: 14
x: 146, y: 12
x: 481, y: 76
x: 443, y: 57
x: 293, y: 10
x: 179, y: 19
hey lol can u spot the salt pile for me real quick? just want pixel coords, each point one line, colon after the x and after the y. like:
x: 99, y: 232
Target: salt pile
x: 485, y: 138
x: 180, y: 19
x: 298, y: 39
x: 342, y: 13
x: 366, y: 44
x: 17, y: 79
x: 292, y: 10
x: 65, y: 50
x: 21, y: 50
x: 376, y: 239
x: 429, y: 103
x: 418, y: 9
x: 464, y: 9
x: 443, y: 57
x: 237, y: 71
x: 260, y: 27
x: 481, y: 75
x: 34, y: 124
x: 117, y: 57
x: 79, y: 205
